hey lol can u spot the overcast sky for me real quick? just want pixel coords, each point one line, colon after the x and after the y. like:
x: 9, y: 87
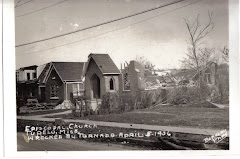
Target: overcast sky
x: 162, y: 40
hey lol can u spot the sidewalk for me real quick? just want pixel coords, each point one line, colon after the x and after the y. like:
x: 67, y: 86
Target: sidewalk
x: 53, y: 114
x: 221, y: 106
x: 187, y: 130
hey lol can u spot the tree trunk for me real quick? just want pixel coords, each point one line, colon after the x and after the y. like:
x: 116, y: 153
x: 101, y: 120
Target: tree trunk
x: 198, y: 71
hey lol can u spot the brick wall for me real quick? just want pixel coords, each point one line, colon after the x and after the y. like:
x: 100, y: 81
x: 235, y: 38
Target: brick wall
x: 137, y: 79
x: 60, y: 89
x: 136, y: 72
x: 93, y: 69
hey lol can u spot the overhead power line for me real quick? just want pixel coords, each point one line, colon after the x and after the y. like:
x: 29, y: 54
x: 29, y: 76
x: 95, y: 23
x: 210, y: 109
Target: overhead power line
x: 111, y: 30
x: 94, y: 26
x: 23, y: 3
x: 41, y: 9
x: 17, y: 3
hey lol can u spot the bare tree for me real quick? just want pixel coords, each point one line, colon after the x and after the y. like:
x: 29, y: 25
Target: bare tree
x: 197, y: 33
x: 204, y: 56
x: 225, y: 53
x: 146, y: 63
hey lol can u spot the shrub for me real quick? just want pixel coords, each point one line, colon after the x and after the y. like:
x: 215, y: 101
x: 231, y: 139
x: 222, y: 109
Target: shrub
x: 183, y: 95
x: 144, y: 99
x: 115, y: 103
x: 223, y: 84
x: 126, y: 102
x: 148, y: 98
x: 105, y: 105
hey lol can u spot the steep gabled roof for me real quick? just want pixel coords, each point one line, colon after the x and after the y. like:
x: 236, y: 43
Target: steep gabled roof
x: 67, y: 71
x: 104, y: 63
x: 44, y: 73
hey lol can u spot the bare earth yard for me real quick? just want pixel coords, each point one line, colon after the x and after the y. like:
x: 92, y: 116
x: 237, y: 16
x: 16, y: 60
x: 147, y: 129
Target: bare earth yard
x: 209, y: 118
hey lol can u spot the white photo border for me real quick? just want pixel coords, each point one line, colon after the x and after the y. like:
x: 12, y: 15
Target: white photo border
x: 9, y: 101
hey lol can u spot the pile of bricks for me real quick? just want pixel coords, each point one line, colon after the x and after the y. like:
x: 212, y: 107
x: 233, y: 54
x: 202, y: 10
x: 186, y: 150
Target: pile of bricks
x: 67, y: 104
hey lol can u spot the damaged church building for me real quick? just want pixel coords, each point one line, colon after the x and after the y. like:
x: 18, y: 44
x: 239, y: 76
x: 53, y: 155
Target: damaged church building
x: 102, y: 76
x: 56, y: 82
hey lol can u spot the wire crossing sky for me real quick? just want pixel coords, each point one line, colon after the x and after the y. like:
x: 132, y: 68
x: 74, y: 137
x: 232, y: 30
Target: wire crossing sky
x: 38, y: 9
x: 104, y: 23
x: 18, y: 5
x: 74, y: 42
x: 159, y: 35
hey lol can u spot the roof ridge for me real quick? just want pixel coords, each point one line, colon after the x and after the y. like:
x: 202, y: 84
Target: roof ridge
x: 104, y: 62
x: 65, y: 62
x: 99, y: 54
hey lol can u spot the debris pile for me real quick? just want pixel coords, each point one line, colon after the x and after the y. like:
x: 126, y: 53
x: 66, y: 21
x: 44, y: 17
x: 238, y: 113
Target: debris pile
x: 66, y: 104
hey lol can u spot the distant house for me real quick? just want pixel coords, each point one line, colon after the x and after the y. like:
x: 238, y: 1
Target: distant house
x: 60, y: 81
x: 101, y: 76
x: 209, y: 74
x: 26, y: 82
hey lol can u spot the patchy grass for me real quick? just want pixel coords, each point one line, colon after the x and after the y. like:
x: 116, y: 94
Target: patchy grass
x: 209, y: 118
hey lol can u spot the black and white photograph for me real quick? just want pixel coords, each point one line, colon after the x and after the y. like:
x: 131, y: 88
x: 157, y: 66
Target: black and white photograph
x: 122, y: 75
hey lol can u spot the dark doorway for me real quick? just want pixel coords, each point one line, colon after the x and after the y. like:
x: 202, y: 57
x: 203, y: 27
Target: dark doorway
x: 43, y: 94
x: 95, y: 84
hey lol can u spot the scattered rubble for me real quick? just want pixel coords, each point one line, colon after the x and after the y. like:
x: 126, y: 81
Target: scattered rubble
x: 66, y: 104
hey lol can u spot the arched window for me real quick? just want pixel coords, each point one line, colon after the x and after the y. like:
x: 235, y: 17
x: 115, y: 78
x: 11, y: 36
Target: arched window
x: 111, y: 84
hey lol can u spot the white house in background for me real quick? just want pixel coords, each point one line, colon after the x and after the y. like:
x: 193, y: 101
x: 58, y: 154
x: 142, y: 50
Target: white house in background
x: 26, y: 73
x: 26, y: 82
